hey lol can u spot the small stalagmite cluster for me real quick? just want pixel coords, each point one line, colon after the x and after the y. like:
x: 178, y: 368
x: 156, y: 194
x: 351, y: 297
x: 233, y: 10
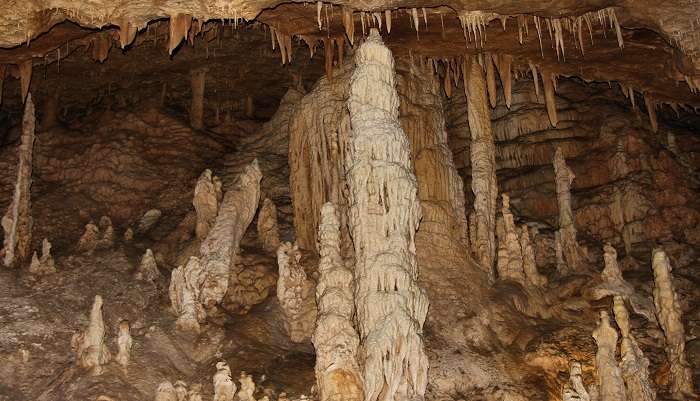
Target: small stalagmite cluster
x: 384, y: 216
x: 44, y: 264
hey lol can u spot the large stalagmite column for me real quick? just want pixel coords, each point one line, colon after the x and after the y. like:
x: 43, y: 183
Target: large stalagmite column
x: 483, y: 161
x: 198, y: 79
x: 335, y: 339
x: 567, y: 231
x: 668, y: 313
x: 17, y: 221
x: 610, y: 383
x: 384, y: 217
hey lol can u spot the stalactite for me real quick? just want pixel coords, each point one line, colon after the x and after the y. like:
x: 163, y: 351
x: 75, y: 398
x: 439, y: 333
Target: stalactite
x: 207, y: 197
x: 483, y: 161
x: 535, y: 80
x: 349, y: 24
x: 45, y: 264
x: 610, y: 383
x: 564, y: 176
x: 319, y: 6
x: 268, y: 233
x: 179, y: 27
x: 550, y: 101
x: 197, y: 80
x: 504, y: 70
x: 634, y: 365
x: 385, y: 212
x: 89, y: 346
x: 101, y: 46
x: 387, y: 17
x: 17, y: 222
x: 127, y: 33
x: 338, y: 375
x: 510, y: 257
x: 490, y: 79
x: 295, y: 294
x: 650, y: 104
x: 25, y: 77
x: 668, y: 313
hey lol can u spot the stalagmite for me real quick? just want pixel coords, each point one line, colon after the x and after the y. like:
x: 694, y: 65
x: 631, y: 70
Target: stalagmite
x: 610, y: 383
x: 124, y: 342
x: 295, y: 294
x: 207, y: 196
x: 166, y: 392
x: 45, y: 264
x: 179, y: 27
x: 483, y: 161
x: 550, y: 101
x: 571, y: 251
x: 504, y: 70
x: 89, y: 346
x: 25, y: 78
x: 247, y: 387
x: 148, y: 269
x: 510, y: 256
x: 634, y: 365
x: 668, y: 313
x: 224, y: 387
x: 148, y: 220
x: 338, y: 375
x: 17, y: 222
x: 181, y: 390
x: 88, y: 240
x: 185, y: 292
x: 491, y: 79
x: 106, y: 241
x: 220, y: 249
x: 197, y: 80
x: 384, y: 216
x: 268, y: 233
x: 532, y: 276
x: 574, y: 390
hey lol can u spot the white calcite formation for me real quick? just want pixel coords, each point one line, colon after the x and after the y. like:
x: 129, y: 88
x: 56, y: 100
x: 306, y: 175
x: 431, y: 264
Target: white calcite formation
x: 384, y: 216
x: 634, y: 365
x: 335, y: 339
x: 268, y: 232
x: 148, y: 268
x: 611, y: 387
x: 44, y: 264
x: 17, y: 222
x: 124, y: 343
x: 483, y: 163
x: 510, y: 257
x: 224, y: 387
x: 295, y: 293
x: 247, y: 387
x: 570, y: 250
x: 574, y: 390
x: 89, y: 346
x: 668, y: 313
x: 185, y: 290
x: 165, y: 392
x: 207, y: 196
x: 533, y: 277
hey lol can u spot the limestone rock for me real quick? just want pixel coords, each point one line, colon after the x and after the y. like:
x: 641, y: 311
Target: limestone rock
x: 17, y: 222
x: 335, y: 339
x: 668, y: 313
x: 207, y: 196
x: 45, y: 264
x: 148, y: 269
x: 384, y: 217
x: 295, y: 294
x: 89, y: 346
x: 610, y: 383
x: 268, y: 233
x: 224, y: 387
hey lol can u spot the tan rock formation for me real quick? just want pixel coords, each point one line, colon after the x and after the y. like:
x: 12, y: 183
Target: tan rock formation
x: 268, y: 233
x: 574, y: 390
x: 510, y: 256
x: 207, y: 197
x: 634, y: 365
x: 571, y: 252
x: 532, y: 275
x: 45, y: 264
x: 610, y: 383
x: 124, y: 343
x: 338, y: 376
x: 89, y: 346
x: 17, y: 222
x: 668, y: 313
x: 483, y: 162
x: 224, y: 387
x: 185, y: 292
x: 166, y: 392
x: 383, y: 218
x: 295, y: 294
x: 148, y: 268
